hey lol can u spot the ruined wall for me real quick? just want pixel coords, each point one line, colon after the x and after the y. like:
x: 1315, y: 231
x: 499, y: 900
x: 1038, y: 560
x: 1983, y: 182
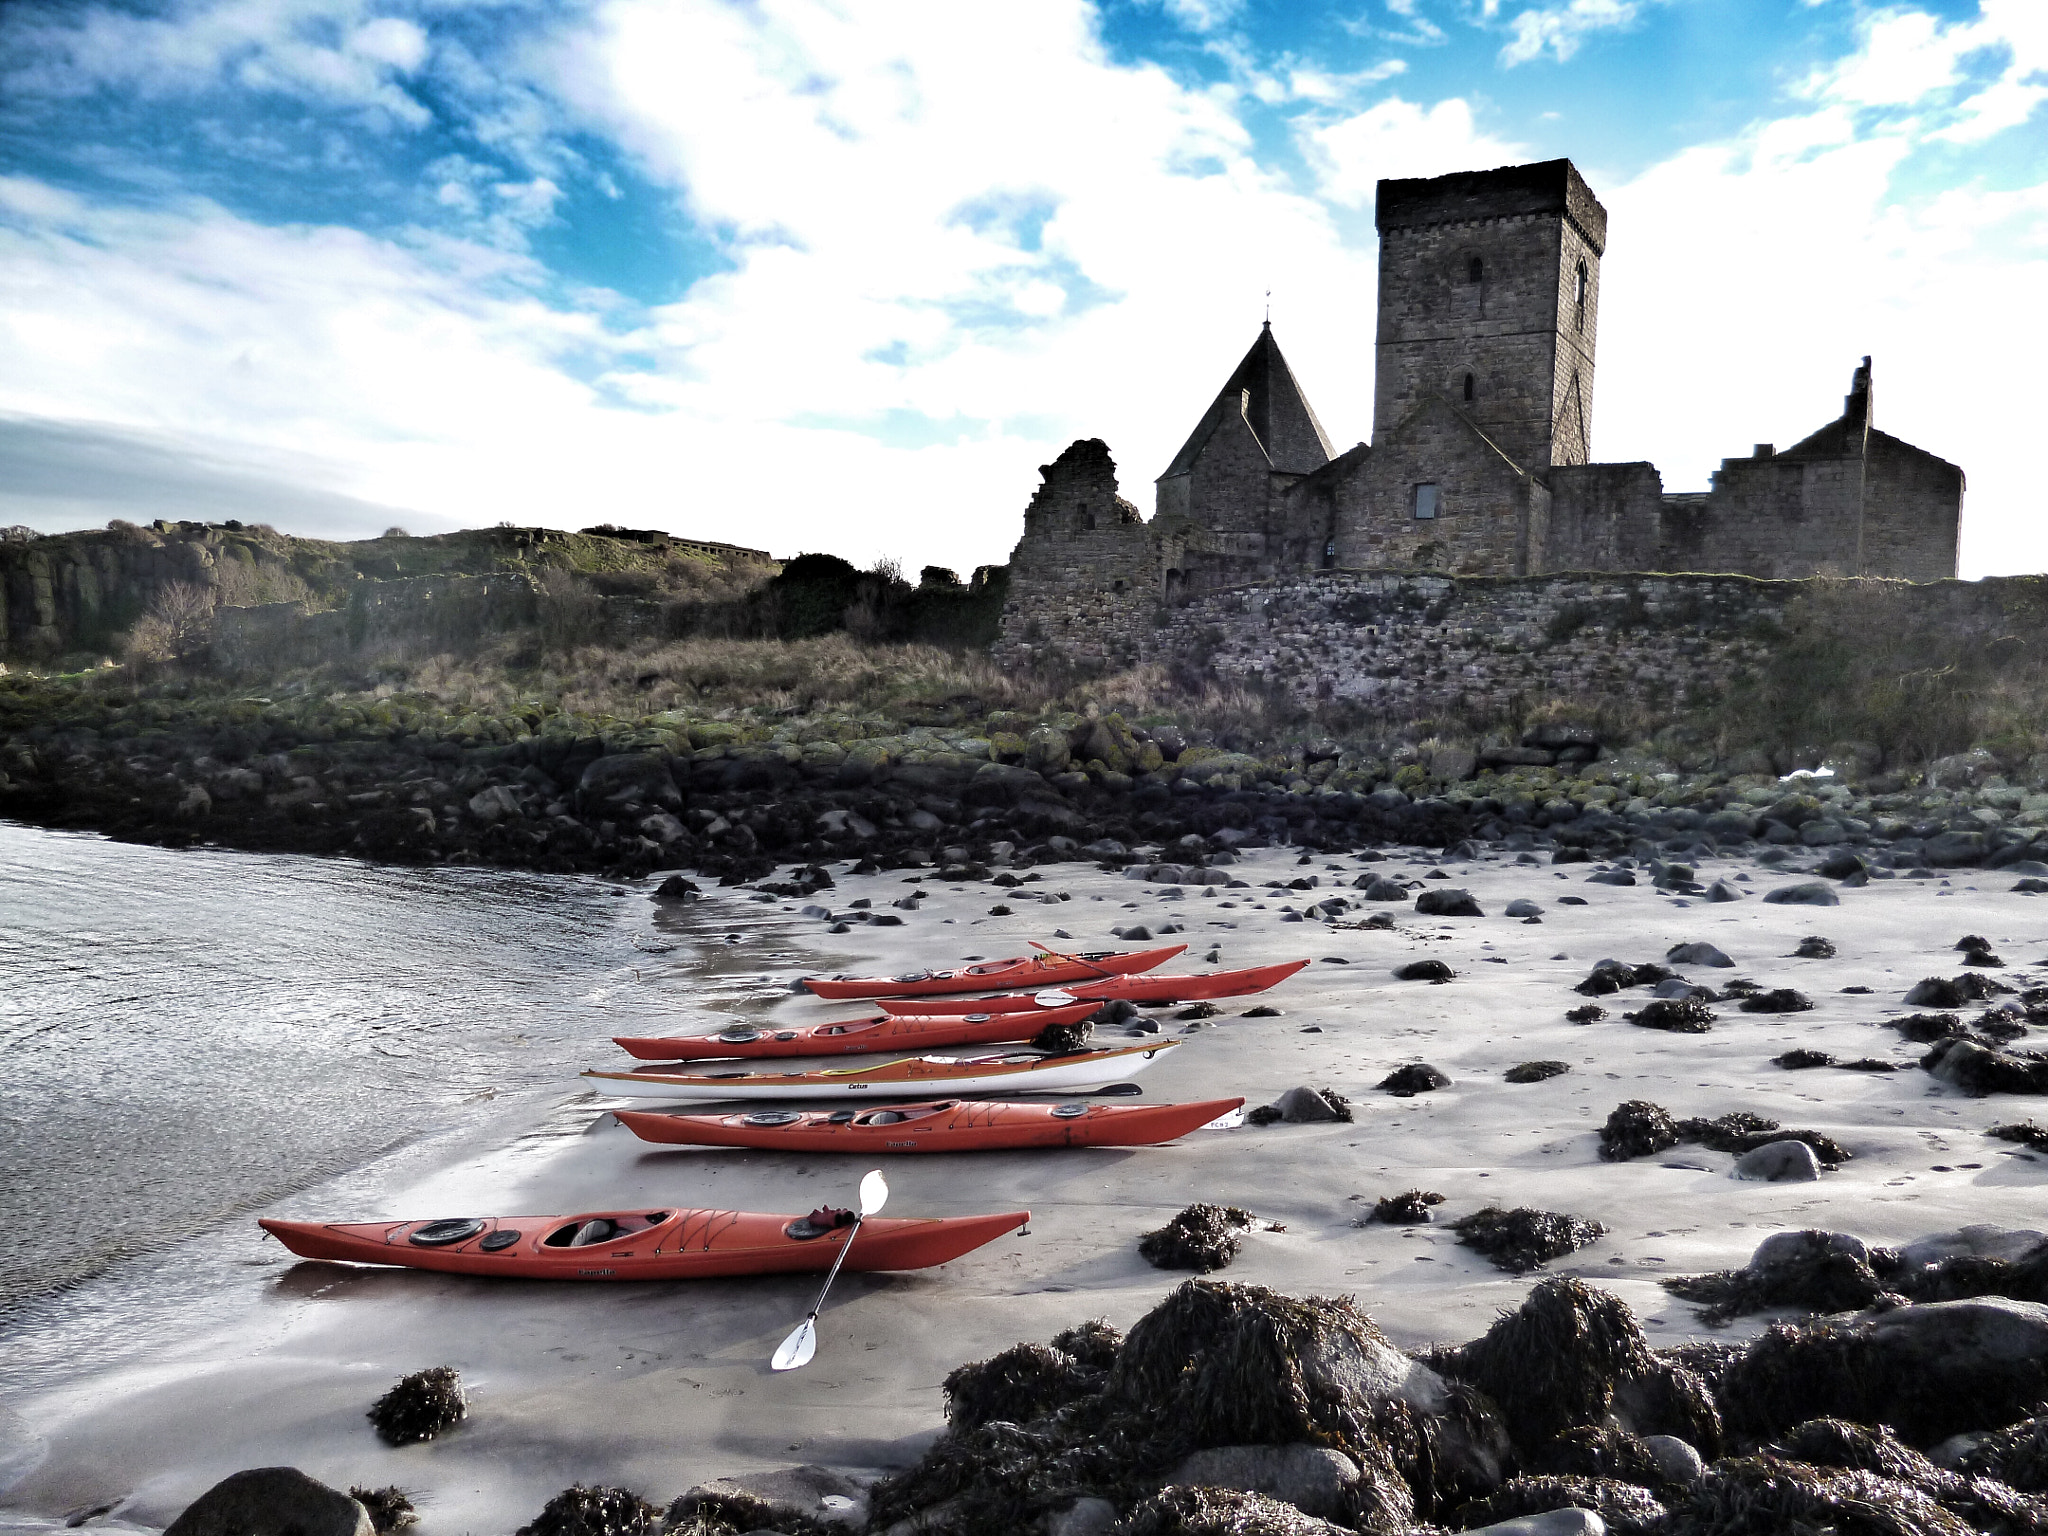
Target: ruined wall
x: 1086, y: 573
x: 1604, y: 517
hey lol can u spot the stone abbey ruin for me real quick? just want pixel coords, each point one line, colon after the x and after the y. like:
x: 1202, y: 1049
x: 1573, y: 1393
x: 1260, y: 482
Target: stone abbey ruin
x: 1489, y: 302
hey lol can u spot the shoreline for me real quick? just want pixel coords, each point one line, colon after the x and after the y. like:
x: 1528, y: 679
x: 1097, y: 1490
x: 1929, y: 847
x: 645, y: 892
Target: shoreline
x: 661, y: 1387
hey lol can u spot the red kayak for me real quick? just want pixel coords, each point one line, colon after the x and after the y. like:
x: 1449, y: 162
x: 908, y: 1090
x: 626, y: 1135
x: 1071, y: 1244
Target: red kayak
x: 645, y: 1245
x: 884, y: 1032
x: 1136, y: 989
x: 949, y: 1125
x: 1027, y: 971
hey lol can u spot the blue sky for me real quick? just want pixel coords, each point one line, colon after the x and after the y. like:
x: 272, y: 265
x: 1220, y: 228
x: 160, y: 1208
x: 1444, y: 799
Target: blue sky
x: 829, y: 276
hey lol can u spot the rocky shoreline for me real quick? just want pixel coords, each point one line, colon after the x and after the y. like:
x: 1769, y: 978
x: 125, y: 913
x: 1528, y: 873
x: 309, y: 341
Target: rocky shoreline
x: 731, y: 798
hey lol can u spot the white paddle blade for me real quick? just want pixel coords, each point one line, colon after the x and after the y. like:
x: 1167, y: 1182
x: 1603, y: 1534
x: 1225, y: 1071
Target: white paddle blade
x: 798, y: 1348
x: 874, y: 1193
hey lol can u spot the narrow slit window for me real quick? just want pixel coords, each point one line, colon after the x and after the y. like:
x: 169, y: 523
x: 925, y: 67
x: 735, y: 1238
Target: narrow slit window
x: 1471, y: 389
x: 1475, y: 270
x: 1329, y: 554
x: 1426, y: 502
x: 1579, y: 298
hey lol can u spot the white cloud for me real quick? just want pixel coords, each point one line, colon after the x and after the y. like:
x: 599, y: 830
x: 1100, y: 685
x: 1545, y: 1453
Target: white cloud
x: 1396, y: 138
x: 1559, y: 30
x: 1910, y: 59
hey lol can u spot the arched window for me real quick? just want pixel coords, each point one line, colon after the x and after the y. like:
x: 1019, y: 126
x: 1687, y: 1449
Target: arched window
x: 1471, y: 389
x: 1475, y: 270
x: 1579, y: 297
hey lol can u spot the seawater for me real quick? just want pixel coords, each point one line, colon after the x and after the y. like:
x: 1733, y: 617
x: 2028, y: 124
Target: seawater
x: 188, y: 1037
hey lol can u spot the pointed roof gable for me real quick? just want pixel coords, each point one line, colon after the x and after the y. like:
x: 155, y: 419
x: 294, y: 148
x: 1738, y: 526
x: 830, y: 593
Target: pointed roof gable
x: 1264, y: 391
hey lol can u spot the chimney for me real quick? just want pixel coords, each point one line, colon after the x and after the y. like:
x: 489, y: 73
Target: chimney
x: 1856, y: 408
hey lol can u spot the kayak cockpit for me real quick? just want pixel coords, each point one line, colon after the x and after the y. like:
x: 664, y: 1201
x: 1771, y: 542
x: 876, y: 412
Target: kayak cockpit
x: 588, y: 1231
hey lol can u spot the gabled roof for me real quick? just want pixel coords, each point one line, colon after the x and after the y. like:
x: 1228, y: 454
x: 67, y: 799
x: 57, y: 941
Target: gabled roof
x: 1264, y: 391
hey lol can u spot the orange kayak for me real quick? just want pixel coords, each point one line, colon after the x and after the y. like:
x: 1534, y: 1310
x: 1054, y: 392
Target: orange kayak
x: 949, y: 1125
x: 1135, y: 989
x: 642, y: 1245
x: 884, y: 1032
x: 1028, y: 971
x: 1011, y: 1071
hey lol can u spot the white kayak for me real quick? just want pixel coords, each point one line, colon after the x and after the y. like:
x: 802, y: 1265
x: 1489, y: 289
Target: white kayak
x: 1011, y: 1071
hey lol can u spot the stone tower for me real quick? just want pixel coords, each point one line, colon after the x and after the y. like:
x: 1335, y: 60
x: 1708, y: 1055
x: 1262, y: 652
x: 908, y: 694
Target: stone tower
x: 1489, y: 299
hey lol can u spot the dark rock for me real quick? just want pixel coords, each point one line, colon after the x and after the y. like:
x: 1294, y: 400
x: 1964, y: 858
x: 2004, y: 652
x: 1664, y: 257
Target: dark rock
x: 1536, y: 1071
x: 1612, y: 877
x: 1721, y: 890
x: 420, y: 1406
x: 1779, y: 1162
x: 1522, y: 908
x: 676, y: 888
x: 1263, y: 1011
x: 1450, y: 902
x: 1814, y: 1271
x: 1416, y: 1077
x: 1810, y: 894
x: 1979, y: 1069
x: 1952, y: 991
x: 1953, y: 850
x: 1202, y: 1238
x: 272, y: 1501
x: 1380, y: 888
x: 1520, y: 1239
x: 1314, y: 1479
x: 1424, y: 970
x: 1698, y: 954
x: 1841, y: 864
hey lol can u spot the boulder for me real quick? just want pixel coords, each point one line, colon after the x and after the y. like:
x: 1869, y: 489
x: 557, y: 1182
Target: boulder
x: 1522, y: 907
x: 1697, y: 954
x: 499, y: 801
x: 1313, y: 1478
x: 1778, y: 1162
x: 1084, y: 1517
x: 628, y: 776
x: 1954, y: 850
x: 1307, y: 1106
x: 661, y: 827
x: 1677, y: 1460
x: 271, y: 1501
x: 1448, y: 901
x: 1452, y: 763
x: 807, y: 1493
x: 1810, y: 893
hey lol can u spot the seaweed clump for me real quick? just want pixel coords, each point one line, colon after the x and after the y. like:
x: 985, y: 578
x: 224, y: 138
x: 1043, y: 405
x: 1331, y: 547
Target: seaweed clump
x: 1520, y: 1239
x: 1203, y: 1237
x: 1552, y: 1363
x: 1980, y: 1069
x: 1022, y: 1383
x: 1814, y: 947
x: 581, y: 1511
x: 1063, y: 1039
x: 1681, y: 1015
x: 1433, y: 971
x: 1922, y: 1028
x: 1180, y: 1511
x: 1416, y: 1077
x: 1638, y: 1128
x: 1409, y: 1209
x: 1768, y: 1496
x: 390, y: 1508
x: 1818, y: 1277
x: 1801, y: 1059
x: 1536, y: 1071
x: 1585, y: 1013
x: 1777, y: 1000
x: 2025, y: 1132
x: 425, y: 1404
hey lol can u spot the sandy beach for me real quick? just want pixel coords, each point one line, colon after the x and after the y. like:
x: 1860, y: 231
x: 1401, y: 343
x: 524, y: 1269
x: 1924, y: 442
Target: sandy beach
x: 659, y: 1387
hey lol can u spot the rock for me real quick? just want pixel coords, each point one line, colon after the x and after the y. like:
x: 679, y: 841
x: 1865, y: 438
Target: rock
x: 1179, y: 1511
x: 1778, y: 1162
x: 1721, y: 890
x: 1954, y: 850
x: 1557, y: 1522
x: 1314, y: 1479
x: 1303, y: 1106
x: 629, y: 776
x: 272, y: 1501
x: 500, y: 801
x: 1612, y: 877
x: 1810, y: 893
x: 677, y: 888
x: 1453, y: 763
x: 1522, y: 908
x: 1424, y: 970
x: 1084, y: 1517
x: 662, y: 827
x: 1697, y: 954
x: 582, y: 1511
x: 195, y: 804
x: 808, y: 1493
x: 1536, y: 1071
x: 1677, y: 1461
x: 1380, y: 888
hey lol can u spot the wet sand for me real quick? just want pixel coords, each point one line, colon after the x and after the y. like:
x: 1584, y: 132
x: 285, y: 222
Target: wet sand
x: 658, y: 1387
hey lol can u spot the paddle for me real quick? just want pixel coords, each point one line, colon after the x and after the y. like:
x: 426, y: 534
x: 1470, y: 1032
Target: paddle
x: 797, y: 1349
x: 1071, y: 959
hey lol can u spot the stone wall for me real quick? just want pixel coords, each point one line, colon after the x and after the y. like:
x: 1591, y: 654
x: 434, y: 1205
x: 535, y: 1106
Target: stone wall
x: 1420, y: 645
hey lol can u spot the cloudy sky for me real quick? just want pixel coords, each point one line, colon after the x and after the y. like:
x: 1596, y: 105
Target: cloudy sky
x: 840, y: 274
